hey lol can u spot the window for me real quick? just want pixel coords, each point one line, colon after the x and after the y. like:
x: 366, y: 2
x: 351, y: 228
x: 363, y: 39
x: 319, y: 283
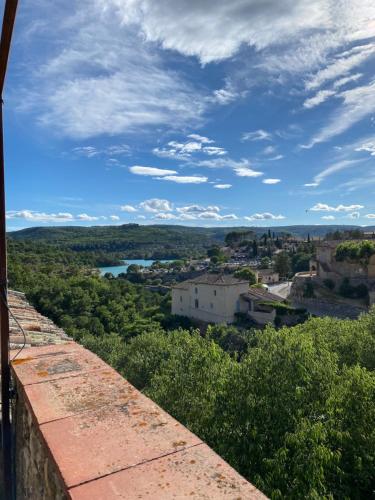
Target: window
x: 211, y: 305
x: 180, y: 298
x: 196, y: 303
x: 215, y: 293
x: 196, y: 290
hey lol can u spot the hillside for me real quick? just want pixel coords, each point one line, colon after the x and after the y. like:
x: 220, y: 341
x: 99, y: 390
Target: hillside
x: 155, y: 241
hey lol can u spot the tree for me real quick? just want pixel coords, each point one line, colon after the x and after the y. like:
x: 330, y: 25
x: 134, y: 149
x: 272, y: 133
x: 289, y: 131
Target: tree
x: 282, y: 264
x: 246, y: 273
x: 255, y: 248
x: 265, y: 263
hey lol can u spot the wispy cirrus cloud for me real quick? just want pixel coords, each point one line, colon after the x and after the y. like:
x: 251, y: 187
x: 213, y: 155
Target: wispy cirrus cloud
x: 341, y: 66
x: 256, y: 135
x: 357, y: 103
x: 331, y: 170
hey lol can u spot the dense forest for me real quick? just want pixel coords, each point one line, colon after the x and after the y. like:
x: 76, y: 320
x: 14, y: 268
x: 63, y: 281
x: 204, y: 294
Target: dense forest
x: 292, y: 409
x: 153, y: 241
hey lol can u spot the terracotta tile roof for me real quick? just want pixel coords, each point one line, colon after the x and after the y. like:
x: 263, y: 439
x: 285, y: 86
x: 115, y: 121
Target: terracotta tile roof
x: 260, y: 294
x: 215, y: 279
x: 38, y: 329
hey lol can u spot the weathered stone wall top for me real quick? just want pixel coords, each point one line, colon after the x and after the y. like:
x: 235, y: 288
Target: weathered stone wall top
x: 104, y: 439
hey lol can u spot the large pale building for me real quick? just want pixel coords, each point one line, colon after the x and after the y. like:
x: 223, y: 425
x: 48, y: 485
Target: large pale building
x: 216, y: 298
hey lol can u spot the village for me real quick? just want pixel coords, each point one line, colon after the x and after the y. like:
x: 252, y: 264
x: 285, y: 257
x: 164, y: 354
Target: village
x: 279, y: 280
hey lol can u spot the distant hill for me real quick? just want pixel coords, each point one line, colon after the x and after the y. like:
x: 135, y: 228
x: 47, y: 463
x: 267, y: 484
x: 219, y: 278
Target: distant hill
x: 155, y: 241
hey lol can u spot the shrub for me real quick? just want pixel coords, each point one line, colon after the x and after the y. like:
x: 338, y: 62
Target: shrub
x: 355, y: 251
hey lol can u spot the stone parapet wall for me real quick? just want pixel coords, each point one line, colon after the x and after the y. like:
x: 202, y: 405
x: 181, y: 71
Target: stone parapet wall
x: 36, y: 474
x: 84, y: 433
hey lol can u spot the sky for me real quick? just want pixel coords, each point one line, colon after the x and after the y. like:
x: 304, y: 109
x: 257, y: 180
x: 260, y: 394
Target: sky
x: 240, y: 113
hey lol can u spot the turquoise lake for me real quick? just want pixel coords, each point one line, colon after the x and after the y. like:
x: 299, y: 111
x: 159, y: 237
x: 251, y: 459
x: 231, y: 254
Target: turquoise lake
x: 116, y: 270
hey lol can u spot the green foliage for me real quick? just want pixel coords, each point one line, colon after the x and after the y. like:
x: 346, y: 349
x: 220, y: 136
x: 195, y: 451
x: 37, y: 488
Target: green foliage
x: 357, y: 251
x: 237, y: 237
x: 301, y: 262
x: 265, y: 263
x: 246, y: 273
x: 280, y: 307
x: 291, y: 409
x: 282, y: 264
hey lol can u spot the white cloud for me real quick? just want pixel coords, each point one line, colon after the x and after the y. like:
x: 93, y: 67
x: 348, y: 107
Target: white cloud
x: 114, y: 150
x: 164, y: 216
x: 214, y: 151
x: 114, y: 217
x: 34, y: 216
x: 269, y: 150
x: 201, y: 138
x: 156, y: 205
x: 185, y: 150
x: 370, y: 216
x: 31, y: 215
x: 224, y: 96
x: 128, y: 208
x: 368, y: 146
x: 86, y: 217
x: 271, y: 181
x: 216, y: 216
x: 184, y: 179
x: 357, y: 103
x: 139, y: 170
x: 89, y: 151
x: 317, y: 99
x: 196, y: 209
x: 222, y: 186
x: 333, y: 169
x: 247, y: 172
x: 277, y: 157
x: 195, y: 29
x: 257, y: 135
x: 264, y: 216
x: 97, y: 76
x: 347, y: 79
x: 323, y: 207
x: 328, y: 217
x: 342, y: 65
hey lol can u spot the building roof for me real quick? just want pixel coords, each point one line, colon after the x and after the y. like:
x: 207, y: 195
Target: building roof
x: 214, y: 279
x: 260, y: 294
x: 38, y: 329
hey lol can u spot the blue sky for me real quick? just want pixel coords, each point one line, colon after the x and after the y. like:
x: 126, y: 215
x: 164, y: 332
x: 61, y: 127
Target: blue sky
x: 191, y: 112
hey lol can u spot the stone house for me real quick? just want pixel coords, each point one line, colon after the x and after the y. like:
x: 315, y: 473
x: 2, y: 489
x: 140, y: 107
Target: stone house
x: 216, y: 298
x: 267, y: 276
x: 327, y: 267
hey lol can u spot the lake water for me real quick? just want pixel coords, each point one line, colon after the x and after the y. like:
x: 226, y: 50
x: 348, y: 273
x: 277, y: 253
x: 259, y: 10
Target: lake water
x: 116, y: 270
